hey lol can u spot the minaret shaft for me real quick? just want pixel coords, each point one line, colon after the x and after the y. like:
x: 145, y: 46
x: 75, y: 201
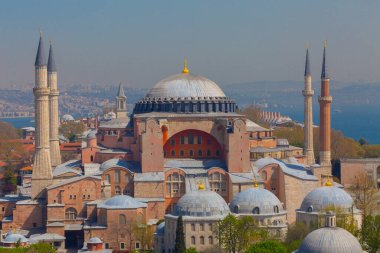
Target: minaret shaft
x: 308, y: 93
x: 54, y: 119
x: 42, y: 173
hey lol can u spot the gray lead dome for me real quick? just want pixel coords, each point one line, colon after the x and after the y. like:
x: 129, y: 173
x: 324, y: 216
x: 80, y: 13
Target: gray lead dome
x: 202, y: 203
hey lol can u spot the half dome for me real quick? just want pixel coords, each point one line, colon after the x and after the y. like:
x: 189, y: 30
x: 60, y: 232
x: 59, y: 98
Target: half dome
x: 122, y: 202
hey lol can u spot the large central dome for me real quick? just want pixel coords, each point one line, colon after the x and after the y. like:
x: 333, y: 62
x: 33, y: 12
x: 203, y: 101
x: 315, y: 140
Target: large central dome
x: 185, y: 85
x: 185, y: 93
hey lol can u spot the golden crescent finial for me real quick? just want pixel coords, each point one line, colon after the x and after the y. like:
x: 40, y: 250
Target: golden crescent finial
x: 201, y: 185
x: 329, y: 182
x: 255, y: 184
x: 325, y: 44
x: 185, y: 69
x: 307, y: 45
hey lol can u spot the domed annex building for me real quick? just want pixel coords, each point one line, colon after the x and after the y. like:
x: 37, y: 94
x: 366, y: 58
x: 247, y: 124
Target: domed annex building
x: 330, y: 239
x: 322, y: 200
x: 200, y: 210
x: 265, y: 208
x: 147, y: 165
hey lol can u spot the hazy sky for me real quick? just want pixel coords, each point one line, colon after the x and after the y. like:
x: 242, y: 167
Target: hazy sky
x: 141, y: 42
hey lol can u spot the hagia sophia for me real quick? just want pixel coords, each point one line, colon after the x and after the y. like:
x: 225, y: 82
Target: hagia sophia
x: 183, y: 151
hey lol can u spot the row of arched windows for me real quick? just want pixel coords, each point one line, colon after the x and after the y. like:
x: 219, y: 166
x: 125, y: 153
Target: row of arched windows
x: 210, y: 240
x: 191, y: 153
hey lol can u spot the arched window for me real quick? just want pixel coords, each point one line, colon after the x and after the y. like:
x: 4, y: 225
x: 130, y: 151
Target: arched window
x: 122, y: 219
x: 256, y: 210
x: 210, y: 240
x: 117, y: 190
x: 275, y: 209
x: 217, y: 153
x: 117, y: 176
x: 92, y: 158
x: 175, y: 185
x: 191, y: 153
x: 108, y: 178
x: 218, y: 182
x: 191, y: 138
x: 310, y: 209
x: 236, y: 209
x: 172, y: 142
x: 181, y: 153
x: 193, y: 240
x: 200, y: 152
x: 172, y: 153
x: 202, y: 240
x: 264, y: 175
x: 70, y: 213
x: 208, y: 152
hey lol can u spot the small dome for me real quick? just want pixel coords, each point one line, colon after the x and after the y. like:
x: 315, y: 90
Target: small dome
x: 14, y: 238
x: 94, y: 240
x: 67, y: 117
x: 256, y: 201
x: 201, y: 203
x: 330, y: 239
x: 325, y: 197
x: 185, y: 85
x: 122, y: 202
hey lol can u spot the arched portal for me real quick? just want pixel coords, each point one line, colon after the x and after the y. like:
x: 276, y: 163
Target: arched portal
x: 192, y: 144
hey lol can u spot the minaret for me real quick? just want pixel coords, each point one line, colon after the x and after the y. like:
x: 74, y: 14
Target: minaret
x: 325, y: 119
x: 121, y: 103
x: 55, y: 153
x: 308, y: 93
x: 42, y: 173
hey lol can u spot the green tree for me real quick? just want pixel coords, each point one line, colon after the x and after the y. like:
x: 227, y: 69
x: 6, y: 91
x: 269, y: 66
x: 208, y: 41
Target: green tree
x: 270, y: 246
x: 71, y: 129
x: 252, y: 112
x: 179, y: 246
x: 7, y: 131
x: 10, y: 180
x: 296, y: 231
x: 236, y: 234
x: 370, y: 234
x: 41, y: 248
x: 362, y: 141
x: 191, y: 250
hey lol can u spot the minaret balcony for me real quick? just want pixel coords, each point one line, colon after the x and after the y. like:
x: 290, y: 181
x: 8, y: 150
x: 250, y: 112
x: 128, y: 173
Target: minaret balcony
x: 308, y: 93
x: 326, y: 99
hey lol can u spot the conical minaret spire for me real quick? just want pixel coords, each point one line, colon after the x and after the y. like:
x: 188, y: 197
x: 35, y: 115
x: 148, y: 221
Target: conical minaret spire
x: 55, y: 153
x: 121, y: 103
x: 42, y: 173
x: 308, y: 93
x: 325, y: 119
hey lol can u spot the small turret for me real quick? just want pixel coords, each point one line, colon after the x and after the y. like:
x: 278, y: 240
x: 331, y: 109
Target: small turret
x: 121, y: 103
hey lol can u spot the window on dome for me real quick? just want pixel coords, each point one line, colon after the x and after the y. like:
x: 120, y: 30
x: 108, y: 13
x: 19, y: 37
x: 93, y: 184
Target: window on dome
x: 122, y: 219
x: 256, y: 210
x: 310, y: 209
x: 117, y: 190
x: 275, y: 209
x: 70, y: 213
x: 236, y: 209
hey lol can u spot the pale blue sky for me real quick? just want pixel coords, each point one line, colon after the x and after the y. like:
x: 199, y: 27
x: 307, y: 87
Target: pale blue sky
x: 141, y: 42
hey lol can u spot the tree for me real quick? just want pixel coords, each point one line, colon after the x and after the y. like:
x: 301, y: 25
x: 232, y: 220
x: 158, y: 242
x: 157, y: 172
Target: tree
x: 365, y: 193
x: 370, y: 233
x: 252, y: 112
x: 41, y: 248
x: 236, y: 234
x: 71, y: 129
x: 191, y: 250
x: 179, y: 246
x: 270, y: 246
x: 144, y: 234
x: 7, y: 131
x: 10, y: 180
x: 296, y: 231
x: 362, y: 141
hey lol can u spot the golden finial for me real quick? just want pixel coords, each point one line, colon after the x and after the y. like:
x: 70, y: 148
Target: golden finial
x: 329, y: 181
x: 185, y: 69
x: 255, y: 184
x: 201, y: 185
x: 325, y: 43
x: 307, y: 45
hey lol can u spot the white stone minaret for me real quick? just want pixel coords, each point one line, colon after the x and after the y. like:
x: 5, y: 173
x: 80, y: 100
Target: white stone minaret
x: 308, y: 93
x: 42, y: 172
x: 121, y: 103
x: 55, y: 153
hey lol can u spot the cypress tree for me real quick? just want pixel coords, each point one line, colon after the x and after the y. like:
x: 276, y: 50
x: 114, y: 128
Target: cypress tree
x: 179, y: 237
